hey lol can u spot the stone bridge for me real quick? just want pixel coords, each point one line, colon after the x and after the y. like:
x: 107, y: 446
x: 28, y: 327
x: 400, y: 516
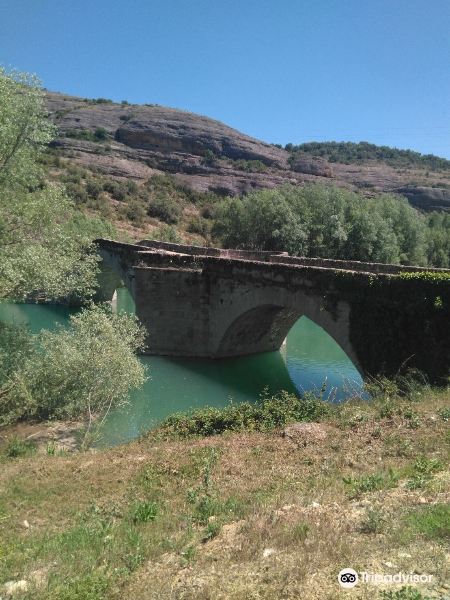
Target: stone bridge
x: 210, y: 302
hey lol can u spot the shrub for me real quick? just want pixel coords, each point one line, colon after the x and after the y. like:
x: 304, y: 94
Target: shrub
x: 93, y: 188
x: 117, y: 189
x: 209, y: 157
x: 77, y: 192
x: 80, y: 371
x: 135, y: 212
x: 251, y: 166
x: 198, y: 225
x: 165, y: 209
x: 270, y: 412
x: 168, y: 233
x: 101, y: 134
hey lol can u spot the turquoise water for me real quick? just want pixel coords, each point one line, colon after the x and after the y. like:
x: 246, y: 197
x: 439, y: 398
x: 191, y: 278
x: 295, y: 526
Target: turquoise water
x: 309, y: 359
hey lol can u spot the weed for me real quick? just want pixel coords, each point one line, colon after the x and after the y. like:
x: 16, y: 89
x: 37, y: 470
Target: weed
x: 17, y: 447
x: 412, y: 418
x: 370, y: 483
x: 404, y: 593
x: 144, y: 512
x: 422, y: 472
x: 386, y: 409
x: 90, y: 587
x: 444, y: 413
x: 212, y: 530
x: 432, y: 521
x: 51, y: 448
x: 189, y: 552
x: 373, y: 521
x: 397, y: 445
x: 299, y: 532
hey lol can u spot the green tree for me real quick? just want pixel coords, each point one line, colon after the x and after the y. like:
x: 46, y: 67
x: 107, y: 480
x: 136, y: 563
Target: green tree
x: 263, y: 220
x: 39, y: 248
x: 82, y: 371
x: 332, y: 222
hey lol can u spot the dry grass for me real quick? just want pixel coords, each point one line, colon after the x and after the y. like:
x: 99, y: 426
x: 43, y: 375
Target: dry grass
x: 239, y: 516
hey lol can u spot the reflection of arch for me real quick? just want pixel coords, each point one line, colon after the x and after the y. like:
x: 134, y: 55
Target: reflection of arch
x: 263, y: 327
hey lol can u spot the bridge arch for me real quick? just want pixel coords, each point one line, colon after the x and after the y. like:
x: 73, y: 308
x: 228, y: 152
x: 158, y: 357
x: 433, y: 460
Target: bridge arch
x: 261, y: 326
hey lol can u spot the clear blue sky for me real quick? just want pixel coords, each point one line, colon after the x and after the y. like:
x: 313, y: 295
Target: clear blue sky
x: 283, y: 71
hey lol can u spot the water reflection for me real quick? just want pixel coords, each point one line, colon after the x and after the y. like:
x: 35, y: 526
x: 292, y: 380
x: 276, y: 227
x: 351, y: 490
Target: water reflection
x: 309, y: 358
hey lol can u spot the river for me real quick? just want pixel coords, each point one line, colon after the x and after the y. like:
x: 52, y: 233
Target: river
x: 308, y: 359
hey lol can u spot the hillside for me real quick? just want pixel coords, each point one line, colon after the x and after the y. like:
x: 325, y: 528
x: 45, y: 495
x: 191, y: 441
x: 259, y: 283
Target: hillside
x: 196, y: 159
x: 246, y: 514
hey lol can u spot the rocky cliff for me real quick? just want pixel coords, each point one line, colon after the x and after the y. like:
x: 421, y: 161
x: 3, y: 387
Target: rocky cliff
x: 134, y: 141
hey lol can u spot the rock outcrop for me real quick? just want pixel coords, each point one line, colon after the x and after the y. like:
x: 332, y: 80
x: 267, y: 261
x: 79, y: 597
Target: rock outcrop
x: 134, y: 141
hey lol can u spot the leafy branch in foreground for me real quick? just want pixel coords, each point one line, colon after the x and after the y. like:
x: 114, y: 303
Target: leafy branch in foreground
x: 40, y: 250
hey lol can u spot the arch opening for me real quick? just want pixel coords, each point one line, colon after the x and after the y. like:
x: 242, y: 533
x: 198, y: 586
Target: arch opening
x: 316, y: 362
x: 265, y: 327
x: 260, y: 329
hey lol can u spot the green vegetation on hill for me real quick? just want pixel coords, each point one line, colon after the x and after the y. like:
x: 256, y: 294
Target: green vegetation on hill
x: 350, y: 152
x: 330, y: 222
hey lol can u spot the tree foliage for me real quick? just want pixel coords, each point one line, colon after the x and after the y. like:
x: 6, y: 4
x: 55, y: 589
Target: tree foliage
x: 40, y: 250
x: 70, y: 373
x: 331, y: 222
x: 350, y: 152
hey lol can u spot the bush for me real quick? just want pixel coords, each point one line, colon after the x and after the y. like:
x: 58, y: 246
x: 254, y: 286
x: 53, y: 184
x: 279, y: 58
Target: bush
x: 199, y: 226
x: 270, y: 412
x: 117, y: 189
x: 77, y: 192
x: 93, y: 188
x: 80, y: 371
x: 251, y: 166
x: 165, y: 209
x: 135, y: 212
x: 101, y: 134
x: 168, y: 233
x: 208, y: 158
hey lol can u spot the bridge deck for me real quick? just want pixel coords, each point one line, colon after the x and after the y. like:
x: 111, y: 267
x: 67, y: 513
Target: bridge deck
x: 148, y: 253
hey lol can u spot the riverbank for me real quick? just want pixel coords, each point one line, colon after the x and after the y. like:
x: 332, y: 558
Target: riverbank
x: 272, y: 514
